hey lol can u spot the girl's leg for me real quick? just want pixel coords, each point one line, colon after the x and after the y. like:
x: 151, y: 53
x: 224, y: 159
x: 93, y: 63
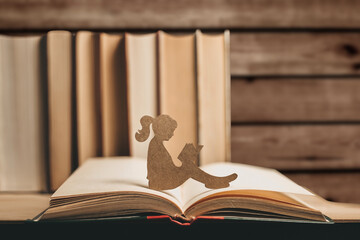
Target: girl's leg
x: 210, y: 181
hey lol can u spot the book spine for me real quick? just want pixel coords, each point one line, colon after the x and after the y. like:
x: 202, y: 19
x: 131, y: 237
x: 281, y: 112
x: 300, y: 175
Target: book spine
x: 113, y: 96
x: 227, y: 95
x: 213, y: 96
x: 60, y: 87
x: 181, y: 221
x: 141, y: 70
x: 177, y: 80
x: 22, y: 137
x: 87, y: 96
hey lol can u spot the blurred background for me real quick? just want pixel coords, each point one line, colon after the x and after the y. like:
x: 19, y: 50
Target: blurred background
x: 295, y: 82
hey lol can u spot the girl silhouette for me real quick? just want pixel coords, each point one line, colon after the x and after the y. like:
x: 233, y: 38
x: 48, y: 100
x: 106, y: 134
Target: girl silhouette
x: 162, y: 172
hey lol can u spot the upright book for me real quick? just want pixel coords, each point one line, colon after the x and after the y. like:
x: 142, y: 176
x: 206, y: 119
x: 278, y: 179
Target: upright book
x: 194, y: 84
x: 113, y: 95
x: 213, y: 88
x: 141, y: 69
x: 61, y: 104
x: 177, y: 80
x: 88, y: 96
x: 117, y: 187
x: 22, y: 113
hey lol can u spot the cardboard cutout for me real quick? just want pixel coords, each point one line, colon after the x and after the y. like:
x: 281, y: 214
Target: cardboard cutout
x: 163, y: 174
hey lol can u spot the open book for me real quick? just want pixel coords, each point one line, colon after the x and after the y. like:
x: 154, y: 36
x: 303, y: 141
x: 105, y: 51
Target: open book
x: 117, y: 187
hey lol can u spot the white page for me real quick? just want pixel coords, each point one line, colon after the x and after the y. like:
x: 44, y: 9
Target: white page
x: 249, y: 178
x: 112, y: 174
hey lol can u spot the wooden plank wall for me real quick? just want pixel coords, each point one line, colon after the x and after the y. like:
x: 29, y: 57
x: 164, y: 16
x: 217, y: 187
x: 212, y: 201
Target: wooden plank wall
x: 295, y: 68
x: 183, y: 14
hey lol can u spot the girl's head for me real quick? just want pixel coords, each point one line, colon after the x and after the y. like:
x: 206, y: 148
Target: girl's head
x: 163, y: 127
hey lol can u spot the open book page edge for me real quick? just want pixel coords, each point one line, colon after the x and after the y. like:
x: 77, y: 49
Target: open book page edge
x: 260, y: 194
x: 336, y: 211
x: 234, y: 205
x: 111, y: 175
x: 111, y: 205
x: 250, y: 178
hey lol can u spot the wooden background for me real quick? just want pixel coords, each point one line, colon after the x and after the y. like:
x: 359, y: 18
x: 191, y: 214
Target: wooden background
x: 295, y: 68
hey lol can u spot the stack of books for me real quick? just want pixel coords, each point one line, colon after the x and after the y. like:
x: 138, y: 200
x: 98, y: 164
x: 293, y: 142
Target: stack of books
x: 66, y: 97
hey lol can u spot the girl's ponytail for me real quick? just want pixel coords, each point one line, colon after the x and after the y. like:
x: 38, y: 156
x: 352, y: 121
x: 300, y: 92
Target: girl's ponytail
x: 144, y: 133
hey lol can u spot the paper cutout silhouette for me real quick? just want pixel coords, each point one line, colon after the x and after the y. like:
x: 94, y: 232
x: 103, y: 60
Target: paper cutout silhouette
x: 163, y: 174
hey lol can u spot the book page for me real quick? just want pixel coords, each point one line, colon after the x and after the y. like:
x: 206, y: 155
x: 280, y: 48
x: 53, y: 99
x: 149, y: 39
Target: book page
x: 110, y: 175
x: 249, y: 178
x: 337, y: 211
